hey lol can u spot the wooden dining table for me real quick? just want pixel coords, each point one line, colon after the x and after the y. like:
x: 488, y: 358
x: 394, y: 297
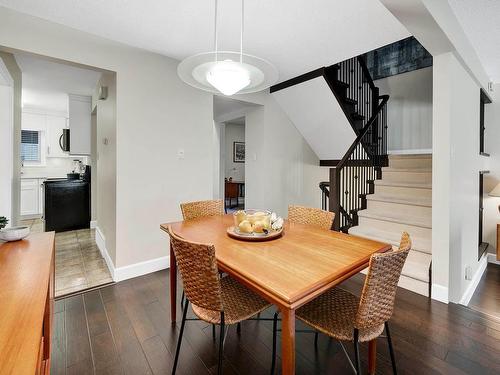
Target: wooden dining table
x: 288, y: 271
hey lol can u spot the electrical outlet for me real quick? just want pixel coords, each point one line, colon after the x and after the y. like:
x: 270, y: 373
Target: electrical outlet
x: 180, y: 153
x: 468, y: 273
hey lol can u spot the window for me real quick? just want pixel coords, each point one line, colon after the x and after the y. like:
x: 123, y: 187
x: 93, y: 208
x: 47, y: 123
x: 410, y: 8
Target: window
x: 30, y: 145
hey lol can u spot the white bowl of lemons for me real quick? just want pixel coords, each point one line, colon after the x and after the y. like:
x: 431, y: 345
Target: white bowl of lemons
x: 252, y: 222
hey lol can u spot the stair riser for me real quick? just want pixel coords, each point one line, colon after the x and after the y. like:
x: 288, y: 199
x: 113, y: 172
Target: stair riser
x: 410, y: 162
x: 409, y: 283
x: 410, y: 177
x: 416, y: 245
x: 405, y: 209
x: 413, y: 230
x: 402, y: 192
x: 414, y: 285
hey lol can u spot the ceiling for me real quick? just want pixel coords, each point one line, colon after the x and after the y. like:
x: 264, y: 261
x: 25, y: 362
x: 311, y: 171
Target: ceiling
x: 230, y: 110
x: 479, y: 19
x: 46, y: 84
x: 295, y: 35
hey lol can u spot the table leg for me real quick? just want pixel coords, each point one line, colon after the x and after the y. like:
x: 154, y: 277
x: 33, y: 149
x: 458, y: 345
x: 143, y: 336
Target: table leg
x: 372, y: 356
x: 173, y: 286
x: 288, y: 341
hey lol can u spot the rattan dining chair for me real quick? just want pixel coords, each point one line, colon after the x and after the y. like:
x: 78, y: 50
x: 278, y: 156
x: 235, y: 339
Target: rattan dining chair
x: 197, y: 209
x: 193, y: 210
x: 214, y: 299
x: 311, y: 216
x: 341, y: 315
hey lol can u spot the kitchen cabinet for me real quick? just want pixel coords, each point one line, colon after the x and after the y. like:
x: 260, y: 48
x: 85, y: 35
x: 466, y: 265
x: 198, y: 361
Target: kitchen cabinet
x: 80, y: 124
x: 55, y: 126
x: 31, y: 197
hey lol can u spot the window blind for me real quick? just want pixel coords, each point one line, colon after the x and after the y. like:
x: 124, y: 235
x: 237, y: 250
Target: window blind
x: 30, y: 145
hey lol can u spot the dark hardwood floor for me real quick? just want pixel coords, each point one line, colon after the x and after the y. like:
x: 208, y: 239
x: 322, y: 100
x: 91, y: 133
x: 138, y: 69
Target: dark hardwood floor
x: 486, y: 298
x: 125, y: 329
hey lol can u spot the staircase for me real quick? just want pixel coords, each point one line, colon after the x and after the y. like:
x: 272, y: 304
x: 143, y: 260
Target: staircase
x: 373, y: 195
x: 402, y: 201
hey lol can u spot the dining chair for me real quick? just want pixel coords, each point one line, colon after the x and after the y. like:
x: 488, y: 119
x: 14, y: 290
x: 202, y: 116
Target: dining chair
x: 310, y: 216
x: 193, y: 210
x: 215, y: 300
x: 342, y: 316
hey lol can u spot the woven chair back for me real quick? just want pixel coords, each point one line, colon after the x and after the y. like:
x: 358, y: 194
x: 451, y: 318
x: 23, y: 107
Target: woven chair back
x: 310, y: 216
x: 379, y: 291
x: 193, y: 210
x: 198, y: 268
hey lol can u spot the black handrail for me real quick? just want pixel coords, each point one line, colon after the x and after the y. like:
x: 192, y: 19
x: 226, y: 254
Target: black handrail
x: 365, y: 130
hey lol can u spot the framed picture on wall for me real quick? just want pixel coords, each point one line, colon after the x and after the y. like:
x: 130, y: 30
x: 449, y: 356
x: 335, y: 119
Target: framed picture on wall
x: 238, y: 152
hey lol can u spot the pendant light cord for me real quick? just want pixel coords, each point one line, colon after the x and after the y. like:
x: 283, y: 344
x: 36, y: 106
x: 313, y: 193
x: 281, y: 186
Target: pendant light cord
x: 241, y: 32
x: 215, y: 31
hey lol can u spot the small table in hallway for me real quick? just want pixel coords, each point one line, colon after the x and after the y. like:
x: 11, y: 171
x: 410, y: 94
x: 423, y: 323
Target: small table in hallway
x: 288, y: 272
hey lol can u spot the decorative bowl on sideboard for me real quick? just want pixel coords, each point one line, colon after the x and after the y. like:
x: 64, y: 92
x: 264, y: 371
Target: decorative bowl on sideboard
x: 14, y: 233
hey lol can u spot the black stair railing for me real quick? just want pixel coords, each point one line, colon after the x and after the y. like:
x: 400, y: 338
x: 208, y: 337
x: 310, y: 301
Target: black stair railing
x: 353, y: 177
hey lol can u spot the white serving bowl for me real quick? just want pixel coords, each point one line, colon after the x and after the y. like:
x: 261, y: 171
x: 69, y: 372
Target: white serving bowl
x: 14, y: 233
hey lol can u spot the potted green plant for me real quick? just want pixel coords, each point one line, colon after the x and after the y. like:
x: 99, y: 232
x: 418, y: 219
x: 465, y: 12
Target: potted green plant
x: 3, y: 222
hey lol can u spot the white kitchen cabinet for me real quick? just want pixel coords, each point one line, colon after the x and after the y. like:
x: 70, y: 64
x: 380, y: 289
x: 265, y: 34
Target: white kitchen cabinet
x: 55, y: 126
x: 79, y: 124
x: 30, y: 197
x: 33, y: 121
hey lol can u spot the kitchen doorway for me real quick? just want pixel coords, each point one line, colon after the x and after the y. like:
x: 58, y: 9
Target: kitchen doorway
x: 59, y: 176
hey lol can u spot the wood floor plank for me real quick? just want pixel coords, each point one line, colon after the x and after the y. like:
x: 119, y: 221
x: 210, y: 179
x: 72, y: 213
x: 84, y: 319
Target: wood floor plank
x: 127, y: 345
x: 429, y: 337
x: 58, y: 360
x: 77, y: 336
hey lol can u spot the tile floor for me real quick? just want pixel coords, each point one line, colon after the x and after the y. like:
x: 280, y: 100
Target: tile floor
x: 79, y: 263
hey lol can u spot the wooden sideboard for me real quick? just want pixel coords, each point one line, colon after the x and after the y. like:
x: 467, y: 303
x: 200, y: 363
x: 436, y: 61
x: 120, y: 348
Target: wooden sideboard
x: 27, y: 302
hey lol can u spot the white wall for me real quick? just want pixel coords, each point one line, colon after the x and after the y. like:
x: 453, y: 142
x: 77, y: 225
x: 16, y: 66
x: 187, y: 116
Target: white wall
x: 233, y: 133
x: 409, y: 111
x: 455, y: 178
x: 104, y: 163
x: 15, y: 74
x: 281, y: 168
x: 6, y: 141
x: 492, y: 146
x: 154, y: 118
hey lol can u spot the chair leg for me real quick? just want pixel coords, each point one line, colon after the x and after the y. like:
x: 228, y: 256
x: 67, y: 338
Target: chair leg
x: 179, y: 340
x: 182, y: 300
x: 213, y: 332
x: 221, y: 343
x: 391, y: 350
x: 275, y: 332
x: 238, y: 328
x: 316, y: 339
x: 356, y: 351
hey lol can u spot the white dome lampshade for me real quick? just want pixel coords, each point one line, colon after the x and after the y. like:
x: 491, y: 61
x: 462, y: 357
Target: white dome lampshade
x: 227, y: 72
x: 228, y: 77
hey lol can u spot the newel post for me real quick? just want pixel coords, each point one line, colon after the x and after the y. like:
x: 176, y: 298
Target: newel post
x: 334, y: 200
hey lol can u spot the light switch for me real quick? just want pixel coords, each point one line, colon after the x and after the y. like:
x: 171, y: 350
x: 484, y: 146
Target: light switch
x: 180, y: 153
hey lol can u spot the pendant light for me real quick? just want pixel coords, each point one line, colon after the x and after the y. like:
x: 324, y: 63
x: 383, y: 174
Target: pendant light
x: 227, y: 72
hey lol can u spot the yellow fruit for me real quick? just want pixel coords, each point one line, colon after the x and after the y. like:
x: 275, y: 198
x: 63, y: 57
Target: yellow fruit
x: 245, y: 227
x: 259, y: 227
x: 240, y: 216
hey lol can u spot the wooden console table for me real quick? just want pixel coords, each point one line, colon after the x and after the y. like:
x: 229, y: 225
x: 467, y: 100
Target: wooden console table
x: 26, y: 307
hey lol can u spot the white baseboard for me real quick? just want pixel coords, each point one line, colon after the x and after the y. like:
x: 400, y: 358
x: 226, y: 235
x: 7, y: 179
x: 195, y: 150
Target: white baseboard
x: 410, y: 152
x: 469, y: 292
x: 142, y: 268
x: 100, y: 241
x: 492, y: 258
x: 440, y: 293
x: 93, y: 224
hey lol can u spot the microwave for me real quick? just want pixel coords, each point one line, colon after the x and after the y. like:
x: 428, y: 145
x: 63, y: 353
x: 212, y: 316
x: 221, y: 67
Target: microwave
x: 64, y: 140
